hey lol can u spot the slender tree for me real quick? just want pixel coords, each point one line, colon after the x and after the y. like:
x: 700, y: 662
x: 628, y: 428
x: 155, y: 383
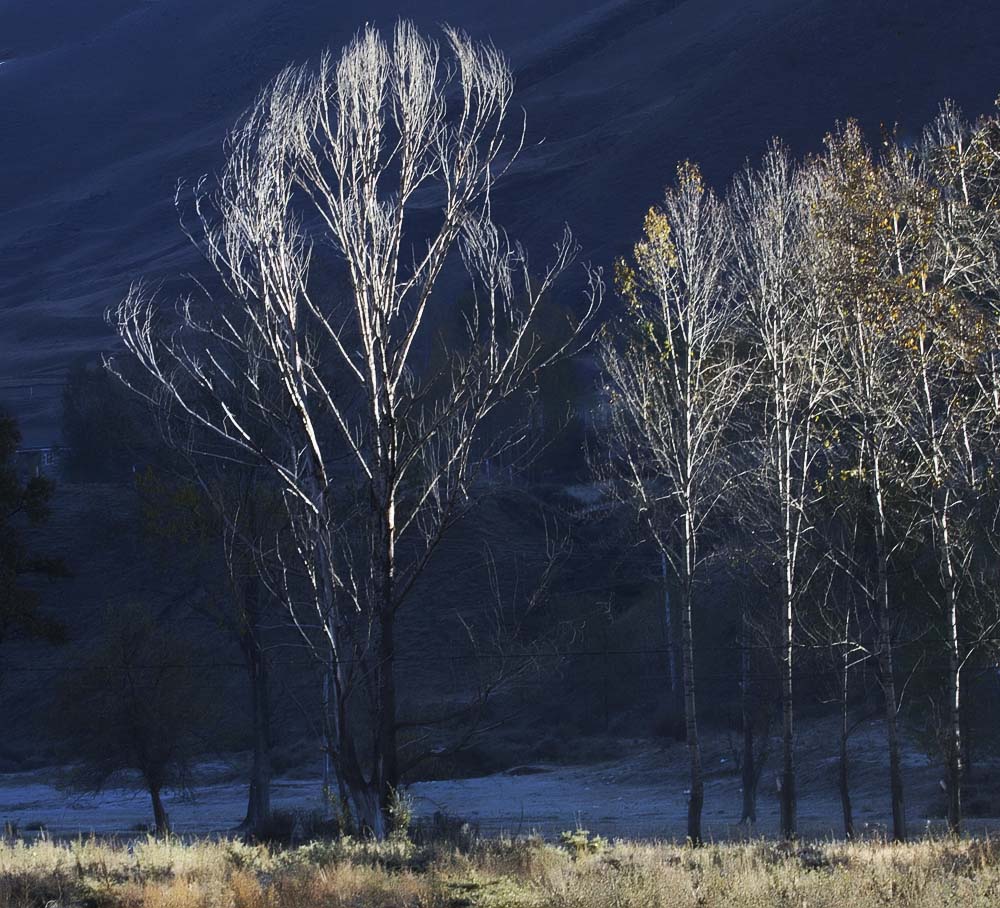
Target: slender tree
x: 946, y: 237
x: 785, y: 330
x: 853, y: 221
x: 834, y: 626
x: 673, y: 383
x: 755, y: 701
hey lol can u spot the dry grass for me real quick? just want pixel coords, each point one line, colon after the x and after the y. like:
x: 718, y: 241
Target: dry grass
x: 495, y: 874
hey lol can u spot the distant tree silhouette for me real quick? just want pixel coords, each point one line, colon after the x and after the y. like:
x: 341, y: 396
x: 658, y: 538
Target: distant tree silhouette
x: 104, y: 428
x: 23, y: 502
x: 134, y: 702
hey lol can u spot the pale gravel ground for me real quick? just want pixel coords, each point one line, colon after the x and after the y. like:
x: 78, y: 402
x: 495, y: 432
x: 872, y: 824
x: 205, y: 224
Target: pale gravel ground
x: 641, y: 795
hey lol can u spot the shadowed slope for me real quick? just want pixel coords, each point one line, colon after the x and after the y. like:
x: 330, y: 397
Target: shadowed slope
x: 102, y: 110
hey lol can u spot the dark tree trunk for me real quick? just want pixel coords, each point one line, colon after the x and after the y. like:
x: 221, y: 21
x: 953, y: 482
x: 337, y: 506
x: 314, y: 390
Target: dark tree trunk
x: 967, y: 748
x: 384, y: 780
x: 843, y: 774
x: 749, y: 811
x: 954, y: 768
x: 161, y: 822
x: 749, y: 769
x: 844, y: 786
x: 886, y: 670
x: 359, y: 791
x: 387, y: 762
x: 385, y: 776
x: 259, y: 800
x: 670, y: 628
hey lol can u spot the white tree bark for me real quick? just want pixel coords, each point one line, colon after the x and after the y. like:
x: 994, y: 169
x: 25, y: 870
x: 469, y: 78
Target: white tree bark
x: 673, y: 383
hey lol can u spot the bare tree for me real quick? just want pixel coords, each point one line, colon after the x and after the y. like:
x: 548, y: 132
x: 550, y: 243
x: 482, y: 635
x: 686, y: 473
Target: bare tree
x: 673, y: 383
x: 388, y: 155
x: 946, y: 237
x: 207, y: 507
x: 791, y: 386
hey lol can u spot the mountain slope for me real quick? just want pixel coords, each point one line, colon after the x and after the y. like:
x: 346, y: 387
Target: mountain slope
x: 103, y: 105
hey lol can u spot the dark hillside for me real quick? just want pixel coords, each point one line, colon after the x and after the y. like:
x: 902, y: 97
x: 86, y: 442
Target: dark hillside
x: 101, y: 114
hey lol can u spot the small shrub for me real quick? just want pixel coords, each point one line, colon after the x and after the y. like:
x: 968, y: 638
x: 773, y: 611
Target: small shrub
x: 579, y: 843
x: 400, y: 812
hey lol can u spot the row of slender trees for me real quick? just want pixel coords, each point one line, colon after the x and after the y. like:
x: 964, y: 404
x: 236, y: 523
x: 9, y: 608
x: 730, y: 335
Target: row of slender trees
x: 809, y: 366
x: 805, y: 367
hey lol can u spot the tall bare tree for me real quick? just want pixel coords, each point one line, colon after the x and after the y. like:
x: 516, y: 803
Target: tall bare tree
x: 388, y: 154
x: 673, y: 383
x: 948, y: 245
x: 792, y: 384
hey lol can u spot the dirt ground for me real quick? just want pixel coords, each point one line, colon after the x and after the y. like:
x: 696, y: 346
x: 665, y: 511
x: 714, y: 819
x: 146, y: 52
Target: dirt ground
x: 639, y: 795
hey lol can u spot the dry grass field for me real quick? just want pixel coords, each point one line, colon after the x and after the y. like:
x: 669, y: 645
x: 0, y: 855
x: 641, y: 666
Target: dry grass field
x: 579, y: 873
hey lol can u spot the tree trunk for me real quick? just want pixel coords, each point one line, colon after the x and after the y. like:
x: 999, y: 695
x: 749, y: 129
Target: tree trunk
x: 696, y: 797
x: 966, y: 748
x: 386, y: 765
x: 259, y: 801
x: 886, y: 671
x: 789, y: 534
x: 669, y: 623
x: 259, y: 798
x: 748, y: 813
x: 788, y: 830
x: 387, y: 762
x: 329, y: 747
x: 360, y: 793
x: 843, y: 774
x: 161, y: 822
x: 370, y: 810
x: 749, y: 776
x: 954, y: 769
